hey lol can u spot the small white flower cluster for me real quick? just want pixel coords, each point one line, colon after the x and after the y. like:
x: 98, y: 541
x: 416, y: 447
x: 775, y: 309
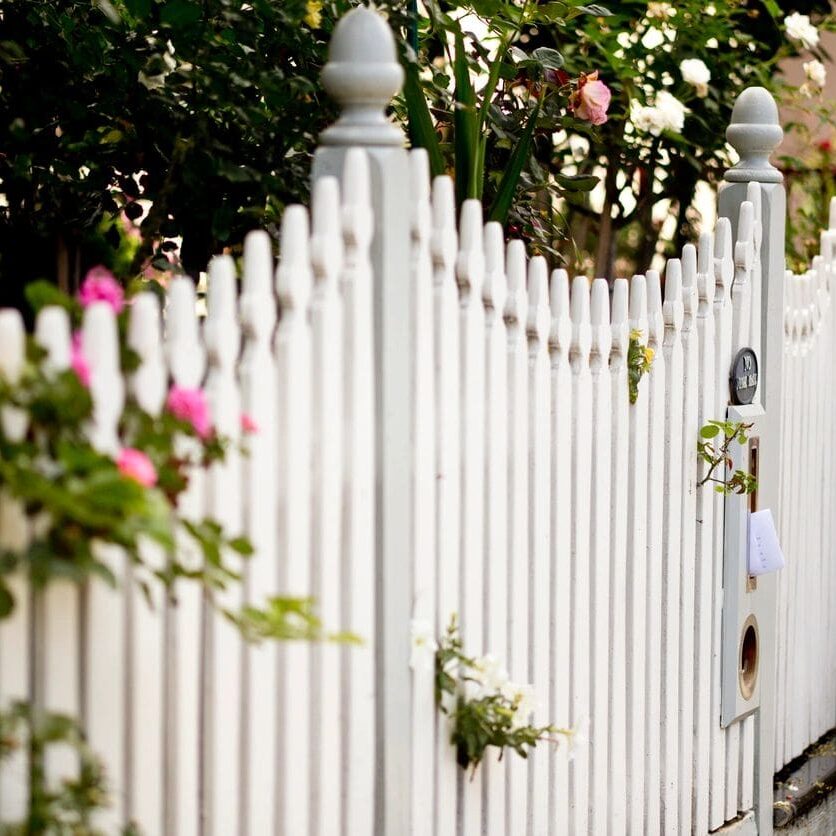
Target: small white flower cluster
x: 816, y: 73
x: 660, y: 10
x: 696, y: 73
x: 666, y: 114
x: 487, y: 678
x: 800, y: 29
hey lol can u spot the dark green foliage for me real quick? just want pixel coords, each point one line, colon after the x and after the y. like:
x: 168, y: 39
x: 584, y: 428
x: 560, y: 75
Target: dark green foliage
x: 715, y: 454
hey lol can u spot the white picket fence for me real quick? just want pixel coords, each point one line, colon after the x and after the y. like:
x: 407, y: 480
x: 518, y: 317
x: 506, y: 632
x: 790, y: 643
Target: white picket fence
x: 805, y: 694
x: 444, y: 427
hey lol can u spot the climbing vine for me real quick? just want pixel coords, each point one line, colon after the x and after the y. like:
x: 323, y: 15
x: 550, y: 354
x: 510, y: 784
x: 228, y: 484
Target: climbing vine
x: 639, y: 360
x: 716, y: 439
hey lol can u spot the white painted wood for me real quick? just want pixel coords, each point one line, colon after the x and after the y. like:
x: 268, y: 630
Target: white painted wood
x: 326, y: 465
x: 259, y: 487
x: 518, y: 500
x: 723, y: 275
x: 358, y: 516
x: 494, y: 295
x: 599, y: 555
x: 470, y: 275
x: 690, y: 432
x: 14, y: 630
x: 633, y: 487
x: 184, y: 690
x: 627, y: 484
x: 671, y: 546
x: 656, y: 397
x: 224, y: 651
x: 444, y: 246
x: 560, y: 339
x: 104, y: 608
x: 424, y: 569
x: 539, y: 508
x: 580, y: 675
x: 57, y: 631
x: 704, y: 546
x: 146, y: 625
x: 294, y: 280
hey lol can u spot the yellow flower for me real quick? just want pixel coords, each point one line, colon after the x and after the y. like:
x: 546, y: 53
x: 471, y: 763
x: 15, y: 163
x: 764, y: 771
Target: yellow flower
x: 313, y: 16
x: 649, y: 354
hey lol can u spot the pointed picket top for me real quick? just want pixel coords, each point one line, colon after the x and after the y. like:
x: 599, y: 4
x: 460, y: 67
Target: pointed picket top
x: 258, y: 309
x: 620, y: 329
x: 689, y: 286
x: 538, y: 316
x: 222, y: 331
x: 723, y: 260
x: 672, y: 308
x: 184, y: 350
x: 149, y: 382
x: 419, y: 180
x: 744, y: 247
x: 494, y: 288
x: 560, y: 332
x: 444, y: 240
x: 601, y: 342
x: 753, y: 195
x: 52, y: 334
x: 470, y: 262
x: 655, y: 313
x: 639, y: 319
x: 294, y: 277
x: 705, y: 273
x: 516, y: 303
x: 326, y: 236
x: 12, y: 355
x: 100, y: 344
x: 581, y: 328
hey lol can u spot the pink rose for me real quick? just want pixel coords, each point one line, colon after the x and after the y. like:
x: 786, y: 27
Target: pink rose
x: 134, y: 464
x: 78, y: 362
x: 591, y: 99
x: 99, y: 285
x: 190, y: 405
x: 248, y: 424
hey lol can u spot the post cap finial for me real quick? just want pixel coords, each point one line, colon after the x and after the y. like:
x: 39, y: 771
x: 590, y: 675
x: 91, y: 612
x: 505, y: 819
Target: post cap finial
x: 362, y: 74
x: 755, y: 132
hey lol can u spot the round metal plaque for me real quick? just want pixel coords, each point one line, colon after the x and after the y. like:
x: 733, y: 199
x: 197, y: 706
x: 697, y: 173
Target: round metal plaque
x: 744, y: 376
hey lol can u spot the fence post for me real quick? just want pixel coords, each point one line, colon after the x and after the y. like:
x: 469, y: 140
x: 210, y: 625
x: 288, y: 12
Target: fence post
x: 755, y: 132
x: 363, y: 74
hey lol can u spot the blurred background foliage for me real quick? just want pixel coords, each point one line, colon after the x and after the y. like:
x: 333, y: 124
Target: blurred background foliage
x: 149, y: 134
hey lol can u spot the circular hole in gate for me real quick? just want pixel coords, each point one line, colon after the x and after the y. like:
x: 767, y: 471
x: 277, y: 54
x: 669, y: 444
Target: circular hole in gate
x: 749, y: 657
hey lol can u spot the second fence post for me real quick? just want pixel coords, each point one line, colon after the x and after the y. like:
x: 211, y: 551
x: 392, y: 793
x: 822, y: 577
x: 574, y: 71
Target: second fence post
x: 363, y: 74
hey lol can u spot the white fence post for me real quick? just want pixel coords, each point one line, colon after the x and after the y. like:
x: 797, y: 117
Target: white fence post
x: 755, y: 132
x: 363, y: 74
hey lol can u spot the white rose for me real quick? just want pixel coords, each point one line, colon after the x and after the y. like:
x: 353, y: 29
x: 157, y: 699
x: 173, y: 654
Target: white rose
x: 660, y: 10
x: 666, y: 114
x: 696, y: 73
x: 653, y: 38
x: 816, y: 72
x: 800, y: 29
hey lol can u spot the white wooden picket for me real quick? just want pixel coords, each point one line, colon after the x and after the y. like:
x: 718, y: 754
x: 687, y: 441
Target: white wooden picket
x: 563, y: 525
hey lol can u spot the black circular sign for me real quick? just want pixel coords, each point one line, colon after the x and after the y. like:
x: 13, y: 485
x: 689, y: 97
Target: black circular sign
x: 744, y: 376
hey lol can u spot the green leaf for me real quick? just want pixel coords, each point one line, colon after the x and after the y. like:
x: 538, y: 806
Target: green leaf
x: 576, y: 182
x: 180, y: 13
x: 139, y: 8
x: 709, y: 431
x: 41, y: 293
x: 511, y: 177
x: 548, y: 58
x: 466, y: 125
x: 595, y: 9
x: 7, y: 601
x: 421, y: 129
x: 774, y: 9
